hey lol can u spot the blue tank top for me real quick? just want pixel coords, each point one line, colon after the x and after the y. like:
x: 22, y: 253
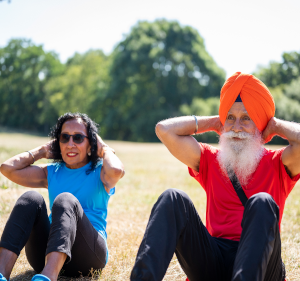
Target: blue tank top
x: 88, y: 189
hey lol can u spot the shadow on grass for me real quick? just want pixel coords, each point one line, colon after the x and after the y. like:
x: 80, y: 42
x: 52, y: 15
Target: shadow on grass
x: 25, y: 276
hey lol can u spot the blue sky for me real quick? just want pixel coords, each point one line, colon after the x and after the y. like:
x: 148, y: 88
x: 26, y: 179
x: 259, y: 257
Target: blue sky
x: 240, y: 35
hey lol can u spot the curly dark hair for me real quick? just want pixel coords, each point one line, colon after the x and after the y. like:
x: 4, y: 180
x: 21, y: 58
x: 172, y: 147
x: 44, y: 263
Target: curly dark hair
x: 92, y: 130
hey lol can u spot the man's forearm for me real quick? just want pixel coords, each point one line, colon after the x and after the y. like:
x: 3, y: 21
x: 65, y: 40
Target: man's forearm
x: 291, y: 154
x: 287, y: 130
x: 186, y: 125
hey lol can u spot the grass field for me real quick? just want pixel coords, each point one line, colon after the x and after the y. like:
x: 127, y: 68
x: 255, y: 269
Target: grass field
x: 150, y: 169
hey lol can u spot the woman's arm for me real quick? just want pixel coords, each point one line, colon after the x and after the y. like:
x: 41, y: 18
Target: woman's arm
x: 175, y: 134
x: 291, y: 132
x: 20, y: 170
x: 112, y: 169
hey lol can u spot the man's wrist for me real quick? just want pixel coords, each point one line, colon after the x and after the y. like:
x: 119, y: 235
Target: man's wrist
x: 274, y: 126
x: 196, y: 124
x: 216, y: 124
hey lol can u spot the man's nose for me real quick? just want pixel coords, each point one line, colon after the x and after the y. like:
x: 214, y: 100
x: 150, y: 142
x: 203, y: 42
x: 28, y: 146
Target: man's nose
x: 237, y: 127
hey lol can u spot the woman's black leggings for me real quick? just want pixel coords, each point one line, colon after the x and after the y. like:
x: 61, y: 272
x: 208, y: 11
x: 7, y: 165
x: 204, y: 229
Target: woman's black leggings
x: 71, y: 233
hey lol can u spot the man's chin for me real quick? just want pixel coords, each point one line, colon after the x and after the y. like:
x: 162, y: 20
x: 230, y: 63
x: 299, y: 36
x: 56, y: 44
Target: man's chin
x: 237, y: 145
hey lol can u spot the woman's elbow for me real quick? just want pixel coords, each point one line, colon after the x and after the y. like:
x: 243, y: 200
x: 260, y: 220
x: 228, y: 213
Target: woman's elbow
x: 123, y: 174
x: 117, y: 173
x: 4, y: 169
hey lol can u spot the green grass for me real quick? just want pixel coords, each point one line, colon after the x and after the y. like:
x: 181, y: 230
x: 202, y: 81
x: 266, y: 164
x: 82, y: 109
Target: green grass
x: 150, y: 169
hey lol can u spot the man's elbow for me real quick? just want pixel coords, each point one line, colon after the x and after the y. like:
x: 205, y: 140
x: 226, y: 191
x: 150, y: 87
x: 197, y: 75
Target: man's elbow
x: 160, y: 129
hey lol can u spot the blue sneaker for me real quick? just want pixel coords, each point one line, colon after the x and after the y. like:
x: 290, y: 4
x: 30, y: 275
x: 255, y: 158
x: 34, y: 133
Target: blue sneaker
x: 39, y: 277
x: 2, y: 278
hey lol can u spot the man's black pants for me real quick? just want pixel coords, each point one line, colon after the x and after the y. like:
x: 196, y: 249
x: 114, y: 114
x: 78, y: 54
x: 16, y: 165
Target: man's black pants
x: 71, y: 232
x: 175, y: 226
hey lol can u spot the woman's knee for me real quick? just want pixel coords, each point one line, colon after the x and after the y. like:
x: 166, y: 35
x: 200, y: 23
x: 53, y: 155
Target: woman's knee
x: 65, y: 200
x: 30, y: 198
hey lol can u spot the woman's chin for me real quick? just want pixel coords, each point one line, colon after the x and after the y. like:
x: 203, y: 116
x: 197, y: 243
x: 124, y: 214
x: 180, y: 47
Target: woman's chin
x: 73, y: 164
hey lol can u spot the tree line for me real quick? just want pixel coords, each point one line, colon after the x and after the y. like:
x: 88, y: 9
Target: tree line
x: 160, y: 70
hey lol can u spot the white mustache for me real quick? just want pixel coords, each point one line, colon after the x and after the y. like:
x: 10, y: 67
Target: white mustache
x: 240, y: 158
x: 240, y: 135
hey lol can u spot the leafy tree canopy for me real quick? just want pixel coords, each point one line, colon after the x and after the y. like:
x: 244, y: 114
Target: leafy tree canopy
x: 81, y: 87
x: 283, y: 80
x: 24, y: 72
x: 281, y: 73
x: 158, y: 67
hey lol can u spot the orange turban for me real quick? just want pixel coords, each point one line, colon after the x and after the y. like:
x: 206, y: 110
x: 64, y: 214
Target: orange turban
x: 256, y: 98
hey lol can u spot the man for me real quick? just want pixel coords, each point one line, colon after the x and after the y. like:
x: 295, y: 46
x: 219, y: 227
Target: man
x: 239, y: 242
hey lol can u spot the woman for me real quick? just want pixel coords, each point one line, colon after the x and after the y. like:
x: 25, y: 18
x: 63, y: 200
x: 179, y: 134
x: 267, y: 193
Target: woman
x: 80, y: 183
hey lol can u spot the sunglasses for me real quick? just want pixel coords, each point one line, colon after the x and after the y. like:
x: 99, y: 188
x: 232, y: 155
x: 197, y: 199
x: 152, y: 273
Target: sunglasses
x: 77, y: 138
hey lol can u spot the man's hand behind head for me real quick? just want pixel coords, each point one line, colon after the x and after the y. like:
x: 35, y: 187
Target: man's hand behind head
x: 270, y: 131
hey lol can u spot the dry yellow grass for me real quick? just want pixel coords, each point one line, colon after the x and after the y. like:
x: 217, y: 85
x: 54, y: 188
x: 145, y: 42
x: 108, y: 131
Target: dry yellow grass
x: 150, y: 169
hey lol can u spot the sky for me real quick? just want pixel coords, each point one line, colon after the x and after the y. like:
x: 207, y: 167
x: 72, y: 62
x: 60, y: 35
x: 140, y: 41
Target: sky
x: 240, y: 35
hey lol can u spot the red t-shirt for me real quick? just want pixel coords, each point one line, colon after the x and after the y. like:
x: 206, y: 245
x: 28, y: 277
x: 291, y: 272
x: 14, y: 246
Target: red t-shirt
x: 224, y: 210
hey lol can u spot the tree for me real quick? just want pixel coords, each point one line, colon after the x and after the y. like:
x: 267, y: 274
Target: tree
x: 158, y: 67
x: 284, y: 83
x: 81, y: 87
x: 24, y: 71
x: 203, y: 107
x: 281, y: 73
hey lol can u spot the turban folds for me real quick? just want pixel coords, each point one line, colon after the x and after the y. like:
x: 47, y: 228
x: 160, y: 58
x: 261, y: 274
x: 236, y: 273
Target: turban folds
x: 256, y: 98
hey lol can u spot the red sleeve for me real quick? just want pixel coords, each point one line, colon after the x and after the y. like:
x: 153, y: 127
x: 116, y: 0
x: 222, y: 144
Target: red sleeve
x: 206, y: 153
x: 286, y: 181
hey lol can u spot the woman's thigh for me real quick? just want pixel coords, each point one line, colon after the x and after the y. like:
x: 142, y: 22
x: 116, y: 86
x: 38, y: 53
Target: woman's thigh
x: 36, y: 245
x: 88, y: 252
x: 28, y: 225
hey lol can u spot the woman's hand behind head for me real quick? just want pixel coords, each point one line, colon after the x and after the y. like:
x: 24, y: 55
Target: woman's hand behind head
x: 102, y: 146
x: 48, y: 150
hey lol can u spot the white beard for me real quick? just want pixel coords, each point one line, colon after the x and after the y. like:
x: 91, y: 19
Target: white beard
x: 240, y: 157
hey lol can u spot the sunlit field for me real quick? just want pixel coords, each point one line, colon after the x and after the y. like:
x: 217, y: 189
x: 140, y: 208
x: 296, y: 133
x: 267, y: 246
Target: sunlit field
x: 150, y: 169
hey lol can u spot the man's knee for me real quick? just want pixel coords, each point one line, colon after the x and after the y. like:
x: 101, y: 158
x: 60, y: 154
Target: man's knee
x: 262, y: 203
x: 173, y: 201
x: 262, y: 197
x: 172, y: 195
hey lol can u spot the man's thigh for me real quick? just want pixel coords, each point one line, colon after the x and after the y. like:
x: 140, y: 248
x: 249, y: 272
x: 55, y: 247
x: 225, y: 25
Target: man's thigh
x: 197, y: 251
